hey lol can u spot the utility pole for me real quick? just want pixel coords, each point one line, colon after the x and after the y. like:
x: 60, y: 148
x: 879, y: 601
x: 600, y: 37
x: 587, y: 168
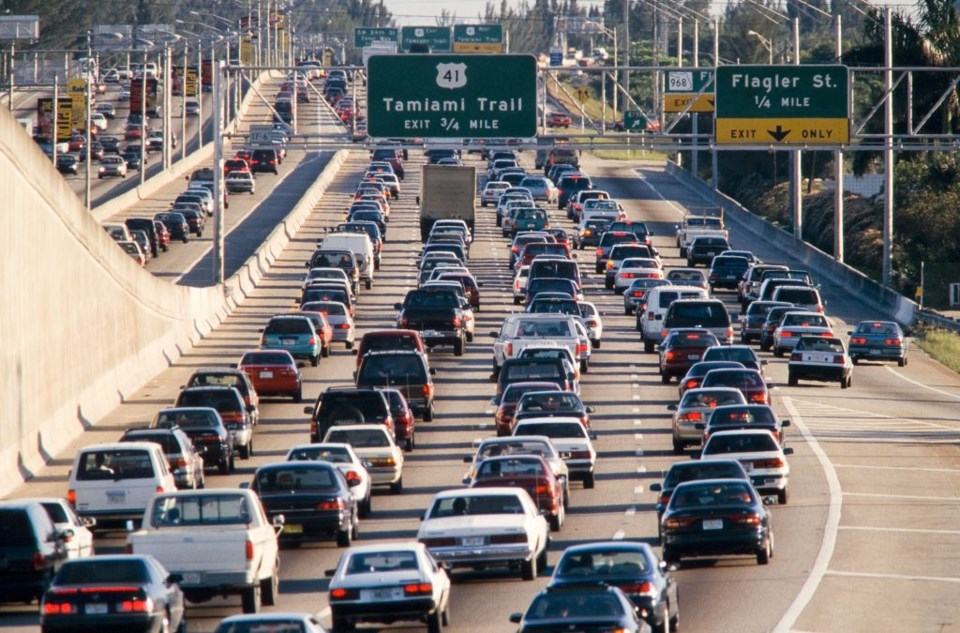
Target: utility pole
x: 888, y: 148
x: 87, y: 113
x: 796, y: 164
x: 626, y: 57
x: 838, y: 169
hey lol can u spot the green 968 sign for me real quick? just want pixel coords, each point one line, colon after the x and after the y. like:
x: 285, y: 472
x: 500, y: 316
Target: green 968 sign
x: 452, y: 96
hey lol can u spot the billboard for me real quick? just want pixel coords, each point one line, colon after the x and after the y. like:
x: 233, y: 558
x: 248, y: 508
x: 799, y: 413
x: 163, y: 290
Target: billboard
x: 136, y: 95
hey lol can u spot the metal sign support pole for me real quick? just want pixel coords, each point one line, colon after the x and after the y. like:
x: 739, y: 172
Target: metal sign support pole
x: 838, y: 173
x: 695, y: 156
x: 217, y: 76
x: 796, y: 156
x: 888, y: 149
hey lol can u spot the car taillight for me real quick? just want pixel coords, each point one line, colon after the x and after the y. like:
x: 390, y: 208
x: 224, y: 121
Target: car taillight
x: 663, y: 333
x: 508, y: 538
x: 587, y: 233
x: 180, y: 463
x: 439, y: 542
x: 579, y: 454
x: 599, y: 252
x: 691, y: 384
x: 508, y: 350
x: 404, y: 322
x: 335, y: 504
x: 137, y: 605
x: 774, y: 462
x: 581, y: 348
x: 749, y: 519
x: 664, y: 498
x: 249, y: 549
x: 542, y: 489
x: 759, y: 398
x: 678, y: 523
x: 427, y: 391
x: 820, y: 309
x: 729, y: 333
x: 785, y: 334
x: 342, y: 594
x: 892, y: 341
x: 609, y: 264
x: 344, y: 326
x: 692, y: 416
x: 638, y: 588
x: 670, y: 355
x: 39, y: 561
x: 627, y: 275
x: 457, y: 322
x: 59, y: 608
x: 860, y: 341
x: 838, y: 360
x: 796, y: 356
x: 72, y: 498
x: 417, y: 588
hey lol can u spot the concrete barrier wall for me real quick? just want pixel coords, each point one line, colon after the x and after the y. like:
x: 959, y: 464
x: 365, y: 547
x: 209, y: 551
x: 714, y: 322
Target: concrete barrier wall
x: 84, y: 327
x: 892, y: 304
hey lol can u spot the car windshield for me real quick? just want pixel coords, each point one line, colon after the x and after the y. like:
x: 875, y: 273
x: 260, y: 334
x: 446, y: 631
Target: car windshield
x: 698, y: 496
x: 332, y: 454
x: 380, y: 562
x: 552, y: 606
x: 885, y: 329
x: 359, y: 438
x: 553, y: 429
x: 85, y: 572
x: 598, y: 562
x: 296, y: 478
x: 201, y: 509
x: 738, y: 443
x: 543, y: 328
x: 476, y: 505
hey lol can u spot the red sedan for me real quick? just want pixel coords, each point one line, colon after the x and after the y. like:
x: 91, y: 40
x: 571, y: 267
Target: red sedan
x: 529, y: 472
x: 682, y: 348
x: 273, y: 372
x: 748, y: 381
x: 559, y: 119
x: 508, y: 403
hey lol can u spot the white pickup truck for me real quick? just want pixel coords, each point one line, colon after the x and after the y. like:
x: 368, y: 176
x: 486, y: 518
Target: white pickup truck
x: 704, y: 221
x: 219, y: 541
x: 522, y: 330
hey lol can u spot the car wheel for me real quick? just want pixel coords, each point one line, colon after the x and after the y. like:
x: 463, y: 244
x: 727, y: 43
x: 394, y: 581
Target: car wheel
x: 445, y: 618
x: 345, y: 537
x: 782, y: 497
x: 298, y: 395
x: 792, y: 379
x: 433, y: 622
x: 325, y: 351
x: 365, y: 506
x: 469, y: 337
x: 397, y: 487
x: 315, y: 360
x: 763, y: 555
x: 202, y: 479
x: 647, y: 346
x: 408, y: 445
x: 528, y: 569
x: 483, y: 203
x: 224, y: 466
x: 678, y: 446
x: 585, y: 365
x: 556, y: 521
x: 342, y: 624
x: 251, y: 599
x: 233, y: 463
x: 458, y: 347
x: 269, y: 588
x: 901, y: 362
x: 542, y: 559
x: 764, y: 347
x: 627, y: 311
x: 349, y: 344
x: 368, y: 284
x: 589, y: 481
x: 665, y: 378
x: 516, y: 301
x: 683, y: 252
x: 778, y: 352
x: 428, y: 414
x: 246, y: 451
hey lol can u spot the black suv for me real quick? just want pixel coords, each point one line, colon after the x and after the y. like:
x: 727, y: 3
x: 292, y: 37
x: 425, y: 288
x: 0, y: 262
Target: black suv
x: 347, y: 405
x: 205, y: 428
x: 569, y: 185
x: 264, y: 160
x: 31, y: 549
x: 704, y: 248
x: 407, y: 370
x: 146, y: 225
x: 231, y: 377
x: 438, y: 317
x: 726, y: 272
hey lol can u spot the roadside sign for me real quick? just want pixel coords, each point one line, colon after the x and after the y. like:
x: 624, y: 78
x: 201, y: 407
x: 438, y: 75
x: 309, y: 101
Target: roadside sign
x: 190, y: 85
x: 64, y: 126
x: 634, y: 121
x: 583, y: 93
x: 556, y: 57
x: 436, y: 38
x: 365, y: 36
x: 452, y: 96
x: 260, y: 135
x: 783, y: 105
x: 77, y: 91
x: 682, y: 87
x: 477, y: 38
x: 246, y: 50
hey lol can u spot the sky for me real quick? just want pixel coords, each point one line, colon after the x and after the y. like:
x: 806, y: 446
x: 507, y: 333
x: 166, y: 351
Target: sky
x: 423, y: 12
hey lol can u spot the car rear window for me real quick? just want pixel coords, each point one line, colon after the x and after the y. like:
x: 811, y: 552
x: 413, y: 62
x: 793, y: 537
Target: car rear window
x: 800, y: 296
x: 15, y: 528
x: 358, y: 438
x: 392, y: 369
x: 693, y: 314
x: 699, y: 496
x: 335, y: 407
x: 753, y: 415
x: 101, y: 571
x: 114, y: 464
x: 296, y: 478
x: 207, y: 509
x: 537, y: 328
x: 703, y: 470
x: 288, y: 326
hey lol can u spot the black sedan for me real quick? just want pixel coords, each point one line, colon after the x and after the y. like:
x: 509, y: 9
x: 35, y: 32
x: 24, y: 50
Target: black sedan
x: 716, y: 517
x: 313, y: 497
x: 586, y: 607
x: 693, y: 471
x: 205, y: 428
x: 120, y: 592
x: 67, y: 164
x: 176, y: 224
x: 552, y: 404
x: 633, y: 568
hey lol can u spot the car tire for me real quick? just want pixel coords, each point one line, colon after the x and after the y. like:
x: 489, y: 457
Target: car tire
x: 598, y: 269
x: 408, y: 444
x: 665, y: 378
x: 792, y: 379
x: 246, y: 451
x: 849, y: 382
x: 345, y: 537
x: 202, y: 484
x: 585, y: 365
x: 483, y: 203
x: 683, y: 251
x: 469, y: 337
x: 556, y: 522
x: 516, y: 301
x: 528, y: 569
x: 589, y: 481
x: 901, y: 362
x: 298, y: 395
x: 428, y: 414
x: 342, y: 624
x: 783, y: 496
x: 542, y: 558
x: 764, y: 347
x: 233, y: 463
x: 269, y: 588
x: 325, y: 351
x: 669, y: 557
x: 763, y: 554
x: 397, y: 487
x: 595, y: 343
x: 186, y: 239
x: 224, y: 466
x: 348, y: 344
x: 855, y: 360
x: 648, y: 346
x: 365, y: 507
x: 678, y: 446
x: 458, y: 347
x: 315, y: 360
x: 627, y: 311
x: 251, y: 599
x: 368, y: 284
x: 778, y: 352
x: 434, y: 624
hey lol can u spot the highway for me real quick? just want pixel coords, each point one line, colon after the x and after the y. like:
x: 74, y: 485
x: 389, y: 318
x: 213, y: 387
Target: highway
x: 875, y: 473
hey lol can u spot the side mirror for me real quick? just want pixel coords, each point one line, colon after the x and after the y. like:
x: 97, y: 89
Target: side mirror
x: 516, y: 617
x: 770, y: 500
x: 301, y: 365
x: 591, y: 409
x: 671, y: 407
x: 467, y: 459
x: 784, y: 422
x: 494, y: 402
x: 397, y: 306
x: 66, y: 536
x: 465, y: 481
x: 329, y: 572
x: 656, y: 488
x: 735, y: 318
x: 849, y: 333
x: 494, y: 334
x: 308, y: 410
x: 244, y: 485
x: 279, y: 520
x: 89, y: 522
x: 433, y: 371
x: 174, y: 578
x: 764, y: 361
x: 592, y: 436
x: 232, y: 365
x: 695, y: 454
x: 260, y: 331
x: 307, y: 264
x: 788, y: 451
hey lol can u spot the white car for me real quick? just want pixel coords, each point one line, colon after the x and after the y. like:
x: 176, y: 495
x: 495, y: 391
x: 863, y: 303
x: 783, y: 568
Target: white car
x: 635, y: 268
x: 459, y: 226
x: 99, y: 121
x: 64, y: 518
x: 338, y: 316
x: 486, y: 527
x: 760, y: 454
x: 592, y: 321
x: 373, y: 443
x: 388, y: 582
x: 124, y: 94
x: 112, y: 165
x: 520, y: 279
x: 797, y: 324
x: 521, y: 445
x: 240, y: 181
x: 492, y: 191
x: 571, y: 438
x: 820, y: 358
x: 346, y: 459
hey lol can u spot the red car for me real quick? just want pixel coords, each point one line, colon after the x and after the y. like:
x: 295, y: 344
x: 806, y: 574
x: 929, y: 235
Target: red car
x: 273, y: 372
x: 378, y: 340
x: 681, y: 348
x: 559, y: 119
x: 748, y: 381
x: 323, y: 328
x: 404, y: 420
x: 508, y: 402
x: 529, y: 472
x: 163, y: 235
x: 243, y: 154
x: 235, y: 164
x: 694, y: 377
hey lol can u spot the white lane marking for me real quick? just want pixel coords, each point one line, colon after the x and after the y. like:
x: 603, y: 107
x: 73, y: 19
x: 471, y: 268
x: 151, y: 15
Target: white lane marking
x: 638, y: 422
x: 853, y: 574
x: 618, y: 535
x: 910, y: 468
x: 638, y: 437
x: 868, y: 528
x: 323, y: 614
x: 638, y: 490
x: 636, y: 409
x: 631, y: 511
x: 642, y: 469
x: 920, y: 384
x: 877, y: 495
x: 680, y: 210
x: 636, y: 396
x: 831, y: 528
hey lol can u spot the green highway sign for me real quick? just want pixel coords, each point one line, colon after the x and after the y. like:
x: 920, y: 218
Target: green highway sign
x: 634, y: 121
x: 437, y: 38
x: 365, y: 36
x: 691, y: 80
x: 783, y: 105
x: 477, y: 38
x: 452, y: 96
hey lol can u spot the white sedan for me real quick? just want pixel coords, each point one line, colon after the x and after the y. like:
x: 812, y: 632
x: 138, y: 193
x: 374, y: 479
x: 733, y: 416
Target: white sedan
x: 388, y: 582
x: 346, y: 459
x: 487, y: 527
x: 572, y: 439
x: 64, y: 518
x: 491, y: 192
x: 634, y: 268
x: 592, y: 321
x: 760, y: 454
x: 797, y: 324
x: 239, y: 181
x: 374, y: 444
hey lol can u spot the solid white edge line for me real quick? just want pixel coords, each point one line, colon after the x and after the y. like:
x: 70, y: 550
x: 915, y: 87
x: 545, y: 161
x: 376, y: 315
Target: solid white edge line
x: 869, y: 528
x: 322, y: 614
x: 910, y: 468
x: 642, y: 178
x: 920, y: 384
x: 854, y: 574
x: 830, y: 529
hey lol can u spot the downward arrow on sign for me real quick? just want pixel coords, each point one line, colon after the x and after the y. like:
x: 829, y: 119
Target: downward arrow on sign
x: 778, y: 134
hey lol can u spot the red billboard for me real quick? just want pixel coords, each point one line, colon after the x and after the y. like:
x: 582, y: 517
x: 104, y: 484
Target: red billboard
x: 136, y: 93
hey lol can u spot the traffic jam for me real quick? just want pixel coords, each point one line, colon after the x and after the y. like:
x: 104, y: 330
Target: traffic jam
x: 574, y: 256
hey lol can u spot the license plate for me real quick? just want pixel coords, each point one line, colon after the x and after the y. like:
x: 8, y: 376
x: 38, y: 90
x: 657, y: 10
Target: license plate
x: 393, y: 593
x: 694, y: 356
x: 713, y: 524
x: 95, y: 608
x: 747, y: 466
x: 191, y: 578
x: 116, y: 496
x: 874, y: 352
x: 431, y: 333
x: 817, y: 358
x: 266, y: 374
x: 288, y: 341
x: 293, y: 528
x: 471, y: 541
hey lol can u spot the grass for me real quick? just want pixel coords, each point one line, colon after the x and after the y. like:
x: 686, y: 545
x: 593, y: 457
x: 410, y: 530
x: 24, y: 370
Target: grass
x: 942, y: 345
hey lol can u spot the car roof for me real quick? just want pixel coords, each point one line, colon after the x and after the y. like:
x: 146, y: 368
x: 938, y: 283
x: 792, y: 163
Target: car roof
x: 478, y: 492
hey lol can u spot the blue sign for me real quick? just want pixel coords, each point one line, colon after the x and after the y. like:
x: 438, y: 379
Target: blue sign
x: 556, y: 57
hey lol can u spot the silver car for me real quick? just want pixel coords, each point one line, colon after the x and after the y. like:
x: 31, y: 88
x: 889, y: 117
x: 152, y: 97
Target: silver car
x: 690, y: 416
x: 541, y: 187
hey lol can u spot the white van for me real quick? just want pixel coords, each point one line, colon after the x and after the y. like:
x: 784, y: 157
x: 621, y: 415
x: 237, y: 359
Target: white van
x: 654, y: 306
x: 357, y: 243
x: 113, y: 483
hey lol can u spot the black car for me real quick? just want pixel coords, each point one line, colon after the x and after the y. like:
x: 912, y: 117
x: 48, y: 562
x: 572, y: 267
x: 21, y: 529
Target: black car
x: 313, y: 497
x: 580, y: 607
x: 132, y: 155
x: 233, y: 377
x: 551, y: 284
x: 704, y: 248
x: 408, y: 371
x: 146, y: 225
x: 205, y: 428
x: 195, y: 219
x: 633, y: 567
x: 550, y: 404
x: 772, y: 322
x: 347, y: 405
x: 738, y: 353
x: 125, y: 592
x: 176, y: 224
x: 67, y: 164
x: 264, y: 160
x: 726, y: 271
x: 533, y: 369
x: 716, y: 517
x: 110, y: 144
x: 438, y: 316
x: 31, y: 550
x: 744, y: 416
x: 569, y: 185
x: 695, y: 470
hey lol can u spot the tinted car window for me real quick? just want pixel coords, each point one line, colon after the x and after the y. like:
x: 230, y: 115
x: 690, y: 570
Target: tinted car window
x: 15, y: 528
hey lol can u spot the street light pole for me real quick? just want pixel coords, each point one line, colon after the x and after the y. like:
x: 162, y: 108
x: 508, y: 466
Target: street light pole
x: 767, y: 44
x: 86, y: 184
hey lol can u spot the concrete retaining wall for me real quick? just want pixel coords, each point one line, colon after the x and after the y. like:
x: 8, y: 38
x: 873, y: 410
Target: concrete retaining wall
x: 884, y: 300
x: 83, y: 327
